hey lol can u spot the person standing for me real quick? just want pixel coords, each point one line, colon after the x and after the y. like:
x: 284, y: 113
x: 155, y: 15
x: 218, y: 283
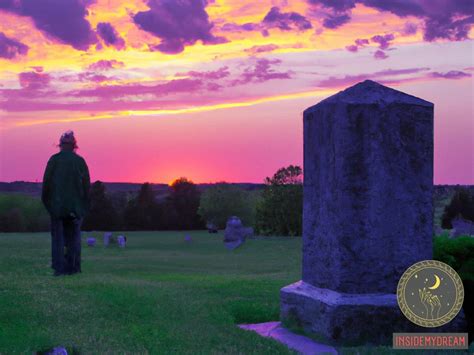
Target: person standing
x: 65, y: 194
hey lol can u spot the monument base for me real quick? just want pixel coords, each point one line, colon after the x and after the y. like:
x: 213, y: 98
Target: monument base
x: 349, y: 319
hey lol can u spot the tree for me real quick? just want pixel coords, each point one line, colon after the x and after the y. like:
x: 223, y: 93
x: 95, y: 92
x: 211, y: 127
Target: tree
x: 462, y: 204
x: 22, y: 213
x: 280, y: 209
x: 221, y: 201
x: 184, y: 198
x: 141, y: 212
x: 102, y: 214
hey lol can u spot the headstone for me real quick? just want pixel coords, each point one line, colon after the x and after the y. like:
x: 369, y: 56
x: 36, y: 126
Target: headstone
x: 235, y: 233
x: 367, y: 212
x: 107, y: 238
x: 462, y: 227
x: 211, y: 227
x: 59, y: 350
x: 187, y: 238
x: 121, y: 241
x: 91, y: 241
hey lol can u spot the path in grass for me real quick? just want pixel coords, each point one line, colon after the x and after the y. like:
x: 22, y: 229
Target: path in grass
x: 159, y: 295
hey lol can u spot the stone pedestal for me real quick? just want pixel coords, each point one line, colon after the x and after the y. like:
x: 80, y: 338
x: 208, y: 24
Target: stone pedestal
x: 367, y: 212
x: 350, y: 319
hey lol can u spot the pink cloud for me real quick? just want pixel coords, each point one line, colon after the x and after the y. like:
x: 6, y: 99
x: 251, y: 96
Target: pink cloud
x: 381, y: 76
x: 34, y: 80
x: 383, y: 40
x: 103, y: 65
x: 275, y: 18
x: 177, y: 24
x: 207, y: 75
x: 380, y: 55
x: 110, y: 36
x: 262, y: 49
x: 10, y: 48
x: 262, y: 71
x: 452, y: 74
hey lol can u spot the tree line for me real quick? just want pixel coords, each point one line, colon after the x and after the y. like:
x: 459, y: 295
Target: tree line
x: 274, y: 210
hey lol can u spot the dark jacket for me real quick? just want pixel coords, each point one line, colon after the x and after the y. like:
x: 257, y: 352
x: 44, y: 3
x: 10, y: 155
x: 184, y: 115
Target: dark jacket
x: 66, y: 185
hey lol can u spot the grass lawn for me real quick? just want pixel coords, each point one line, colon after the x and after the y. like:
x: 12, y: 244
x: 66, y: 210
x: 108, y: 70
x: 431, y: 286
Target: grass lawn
x: 159, y: 295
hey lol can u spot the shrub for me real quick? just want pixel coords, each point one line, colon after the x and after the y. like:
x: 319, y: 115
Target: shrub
x: 280, y: 209
x: 457, y: 253
x: 102, y: 214
x: 184, y: 199
x: 22, y: 213
x: 462, y: 204
x: 223, y: 200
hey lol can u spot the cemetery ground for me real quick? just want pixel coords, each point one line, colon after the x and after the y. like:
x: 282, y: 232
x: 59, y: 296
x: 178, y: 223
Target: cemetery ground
x: 158, y: 295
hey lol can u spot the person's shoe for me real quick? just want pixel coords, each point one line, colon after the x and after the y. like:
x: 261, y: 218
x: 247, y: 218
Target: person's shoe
x: 58, y: 273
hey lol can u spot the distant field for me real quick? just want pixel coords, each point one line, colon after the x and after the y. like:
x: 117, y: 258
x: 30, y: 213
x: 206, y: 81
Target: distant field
x: 159, y: 295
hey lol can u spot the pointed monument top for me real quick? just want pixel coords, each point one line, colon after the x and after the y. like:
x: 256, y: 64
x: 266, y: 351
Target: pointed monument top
x: 371, y: 92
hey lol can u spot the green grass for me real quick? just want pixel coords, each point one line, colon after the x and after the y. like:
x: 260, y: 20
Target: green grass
x: 159, y: 295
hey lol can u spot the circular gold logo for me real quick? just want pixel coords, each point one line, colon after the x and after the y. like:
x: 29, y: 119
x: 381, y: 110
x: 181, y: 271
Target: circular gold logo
x: 430, y: 293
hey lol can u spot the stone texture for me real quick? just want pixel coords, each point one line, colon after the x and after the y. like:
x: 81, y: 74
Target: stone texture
x: 367, y: 213
x: 107, y: 238
x: 303, y: 345
x: 462, y: 227
x: 57, y: 351
x: 121, y: 241
x: 235, y: 233
x: 368, y: 182
x: 350, y: 319
x: 212, y: 228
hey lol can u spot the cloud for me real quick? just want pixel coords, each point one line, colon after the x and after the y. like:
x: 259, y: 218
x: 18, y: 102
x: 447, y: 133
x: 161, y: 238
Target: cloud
x: 207, y: 75
x: 262, y: 71
x: 450, y: 20
x: 336, y: 20
x: 352, y: 48
x: 440, y: 28
x: 380, y: 54
x: 110, y: 36
x: 284, y: 21
x: 383, y: 40
x: 452, y: 74
x: 160, y: 89
x: 104, y: 65
x: 246, y: 27
x: 93, y: 77
x: 361, y: 42
x: 358, y: 43
x: 409, y: 29
x: 382, y: 76
x: 64, y: 20
x: 262, y: 49
x: 178, y: 24
x: 34, y: 80
x: 10, y: 48
x: 195, y: 87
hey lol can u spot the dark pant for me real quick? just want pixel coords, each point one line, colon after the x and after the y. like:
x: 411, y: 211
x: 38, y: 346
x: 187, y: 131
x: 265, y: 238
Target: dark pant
x: 66, y: 245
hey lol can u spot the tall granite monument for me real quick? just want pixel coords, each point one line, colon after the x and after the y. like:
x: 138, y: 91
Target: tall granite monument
x: 367, y: 215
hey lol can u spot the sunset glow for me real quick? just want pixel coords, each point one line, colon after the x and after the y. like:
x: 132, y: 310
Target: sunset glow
x: 215, y: 90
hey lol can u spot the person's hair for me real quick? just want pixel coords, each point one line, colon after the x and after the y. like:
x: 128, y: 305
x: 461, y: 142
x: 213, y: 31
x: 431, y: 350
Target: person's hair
x: 68, y: 141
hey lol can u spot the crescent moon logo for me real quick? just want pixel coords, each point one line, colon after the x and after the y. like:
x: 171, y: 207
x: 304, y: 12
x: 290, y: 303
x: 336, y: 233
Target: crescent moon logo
x: 436, y: 284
